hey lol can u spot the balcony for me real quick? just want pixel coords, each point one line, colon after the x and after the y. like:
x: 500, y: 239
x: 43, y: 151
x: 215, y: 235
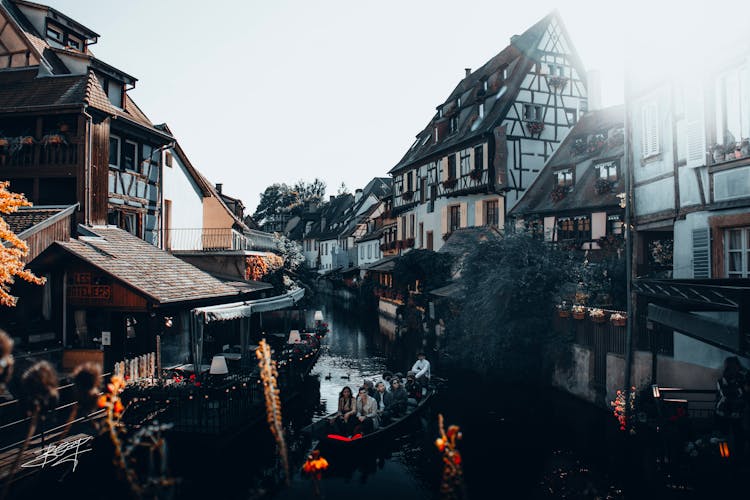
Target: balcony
x: 205, y: 240
x: 38, y: 155
x: 473, y: 182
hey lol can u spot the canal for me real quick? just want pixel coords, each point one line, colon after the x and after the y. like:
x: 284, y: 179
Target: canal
x: 517, y: 443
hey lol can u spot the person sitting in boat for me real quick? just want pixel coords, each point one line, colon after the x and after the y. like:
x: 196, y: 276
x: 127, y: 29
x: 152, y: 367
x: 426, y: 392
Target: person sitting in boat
x: 342, y: 421
x: 413, y: 389
x: 421, y: 370
x: 382, y: 397
x: 367, y: 413
x: 367, y: 384
x: 387, y: 377
x: 398, y: 399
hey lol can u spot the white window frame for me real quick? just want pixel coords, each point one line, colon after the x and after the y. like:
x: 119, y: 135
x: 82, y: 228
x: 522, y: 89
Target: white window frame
x: 744, y: 250
x: 119, y: 150
x: 57, y: 31
x: 76, y: 40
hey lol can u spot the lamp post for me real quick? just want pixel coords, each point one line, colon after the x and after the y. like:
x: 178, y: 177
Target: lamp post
x: 627, y: 200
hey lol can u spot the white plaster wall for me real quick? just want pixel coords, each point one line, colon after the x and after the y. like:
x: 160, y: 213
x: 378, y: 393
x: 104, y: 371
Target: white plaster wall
x: 326, y: 261
x: 655, y: 197
x: 368, y: 252
x: 690, y: 193
x: 187, y: 205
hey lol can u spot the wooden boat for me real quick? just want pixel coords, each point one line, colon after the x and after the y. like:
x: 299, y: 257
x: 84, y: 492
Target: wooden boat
x: 320, y: 430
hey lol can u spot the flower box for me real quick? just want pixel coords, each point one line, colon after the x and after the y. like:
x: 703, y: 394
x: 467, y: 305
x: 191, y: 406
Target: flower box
x: 602, y: 186
x: 563, y: 313
x: 557, y: 81
x: 4, y: 143
x: 476, y: 174
x: 618, y: 319
x: 534, y: 127
x: 450, y: 183
x: 597, y: 315
x: 579, y: 312
x: 407, y: 195
x: 558, y: 193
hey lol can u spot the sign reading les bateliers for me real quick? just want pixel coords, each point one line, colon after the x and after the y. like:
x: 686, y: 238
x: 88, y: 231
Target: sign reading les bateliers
x: 87, y: 287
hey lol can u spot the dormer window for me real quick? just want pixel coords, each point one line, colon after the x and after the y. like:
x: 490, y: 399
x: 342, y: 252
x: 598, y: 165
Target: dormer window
x: 440, y: 112
x: 75, y: 43
x: 608, y: 171
x: 458, y: 102
x: 532, y: 112
x: 564, y: 177
x: 436, y: 135
x: 481, y: 110
x: 453, y: 124
x: 485, y: 85
x: 113, y: 90
x: 54, y: 33
x: 505, y: 73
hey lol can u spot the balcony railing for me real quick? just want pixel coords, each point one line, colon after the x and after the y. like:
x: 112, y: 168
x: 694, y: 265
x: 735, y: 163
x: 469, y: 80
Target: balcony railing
x: 37, y: 155
x: 260, y: 240
x: 476, y: 180
x: 204, y: 240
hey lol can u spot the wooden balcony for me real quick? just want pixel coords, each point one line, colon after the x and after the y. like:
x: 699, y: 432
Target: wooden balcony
x: 39, y: 155
x: 475, y: 182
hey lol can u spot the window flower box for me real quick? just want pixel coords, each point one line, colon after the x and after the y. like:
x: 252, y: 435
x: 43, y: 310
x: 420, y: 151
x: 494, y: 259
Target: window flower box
x: 534, y: 127
x: 4, y: 143
x: 618, y: 319
x: 53, y: 140
x: 563, y: 310
x: 26, y: 140
x: 476, y: 174
x: 602, y: 186
x: 558, y: 193
x: 597, y: 315
x: 450, y: 183
x: 579, y: 312
x: 557, y: 82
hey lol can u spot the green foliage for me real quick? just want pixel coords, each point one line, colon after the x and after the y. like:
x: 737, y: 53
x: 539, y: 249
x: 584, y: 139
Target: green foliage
x: 432, y: 269
x: 505, y: 325
x: 282, y: 198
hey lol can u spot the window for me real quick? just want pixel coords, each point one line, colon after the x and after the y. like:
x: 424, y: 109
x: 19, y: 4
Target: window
x: 649, y: 130
x: 452, y: 166
x: 577, y: 228
x: 505, y: 73
x: 481, y: 110
x: 454, y: 221
x: 421, y: 234
x: 403, y: 227
x: 114, y: 92
x: 737, y: 252
x: 147, y: 153
x: 465, y: 161
x: 458, y: 102
x: 479, y: 157
x: 130, y: 154
x: 411, y: 226
x: 614, y: 224
x: 409, y: 181
x: 491, y: 217
x: 608, y: 171
x: 571, y: 115
x: 533, y: 112
x: 369, y: 251
x: 423, y: 190
x: 732, y: 113
x: 564, y: 177
x: 453, y: 124
x: 485, y: 85
x: 75, y: 43
x: 436, y: 134
x: 168, y: 159
x: 429, y: 240
x: 54, y: 33
x: 114, y: 151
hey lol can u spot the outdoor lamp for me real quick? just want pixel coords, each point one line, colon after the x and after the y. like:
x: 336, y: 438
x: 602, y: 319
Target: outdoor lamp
x: 318, y: 316
x: 655, y: 391
x: 218, y: 366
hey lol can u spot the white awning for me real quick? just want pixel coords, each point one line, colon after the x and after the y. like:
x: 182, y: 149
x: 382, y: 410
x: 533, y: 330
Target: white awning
x: 237, y: 310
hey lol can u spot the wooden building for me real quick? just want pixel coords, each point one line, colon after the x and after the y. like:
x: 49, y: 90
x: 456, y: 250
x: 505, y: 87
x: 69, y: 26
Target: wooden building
x: 71, y: 132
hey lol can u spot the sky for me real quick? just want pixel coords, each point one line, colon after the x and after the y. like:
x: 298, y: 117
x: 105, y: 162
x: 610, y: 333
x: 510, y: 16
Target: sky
x: 259, y: 92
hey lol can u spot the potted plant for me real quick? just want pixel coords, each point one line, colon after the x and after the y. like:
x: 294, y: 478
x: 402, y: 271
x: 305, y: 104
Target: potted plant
x: 476, y: 174
x: 4, y: 143
x: 602, y: 186
x: 407, y: 195
x: 717, y: 153
x: 563, y: 310
x: 618, y: 319
x: 579, y: 145
x: 579, y: 311
x: 597, y: 315
x: 534, y: 126
x: 450, y: 183
x: 745, y: 147
x: 557, y: 82
x: 558, y: 193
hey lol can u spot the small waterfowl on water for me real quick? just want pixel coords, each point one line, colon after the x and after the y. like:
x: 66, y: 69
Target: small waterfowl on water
x: 328, y: 377
x: 346, y: 377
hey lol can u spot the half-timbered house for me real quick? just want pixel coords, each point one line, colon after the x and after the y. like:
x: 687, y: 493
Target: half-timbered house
x: 489, y: 140
x: 70, y: 131
x: 574, y: 200
x: 690, y: 158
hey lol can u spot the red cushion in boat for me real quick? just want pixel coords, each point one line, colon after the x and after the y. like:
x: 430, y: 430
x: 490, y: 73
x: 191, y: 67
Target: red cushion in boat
x: 339, y: 437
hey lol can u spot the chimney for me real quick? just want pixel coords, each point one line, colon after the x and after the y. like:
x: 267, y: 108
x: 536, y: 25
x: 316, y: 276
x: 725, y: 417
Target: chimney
x: 594, y: 87
x: 468, y: 71
x: 332, y: 197
x: 219, y: 185
x: 357, y: 195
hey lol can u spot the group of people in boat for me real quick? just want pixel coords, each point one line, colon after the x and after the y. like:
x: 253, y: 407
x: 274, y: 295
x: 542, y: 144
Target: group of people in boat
x: 380, y: 403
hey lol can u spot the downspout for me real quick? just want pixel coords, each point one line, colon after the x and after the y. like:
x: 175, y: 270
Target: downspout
x: 88, y: 167
x: 629, y: 199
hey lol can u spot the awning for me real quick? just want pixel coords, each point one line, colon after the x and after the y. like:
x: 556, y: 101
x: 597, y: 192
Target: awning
x: 237, y: 310
x: 386, y: 264
x: 453, y: 291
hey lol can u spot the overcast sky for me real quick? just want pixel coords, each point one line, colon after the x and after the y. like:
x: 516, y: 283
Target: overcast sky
x: 276, y: 91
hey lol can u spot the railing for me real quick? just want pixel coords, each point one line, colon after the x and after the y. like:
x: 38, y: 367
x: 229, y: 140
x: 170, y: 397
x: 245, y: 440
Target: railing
x: 260, y: 240
x: 204, y: 240
x: 473, y: 181
x: 36, y: 155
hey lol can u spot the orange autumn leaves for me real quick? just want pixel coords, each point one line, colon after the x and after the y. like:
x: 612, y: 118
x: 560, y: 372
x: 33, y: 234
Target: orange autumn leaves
x: 13, y: 249
x: 111, y: 399
x: 258, y: 266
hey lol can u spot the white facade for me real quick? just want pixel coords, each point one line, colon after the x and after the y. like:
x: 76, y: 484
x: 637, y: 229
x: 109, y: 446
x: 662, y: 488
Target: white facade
x: 182, y: 205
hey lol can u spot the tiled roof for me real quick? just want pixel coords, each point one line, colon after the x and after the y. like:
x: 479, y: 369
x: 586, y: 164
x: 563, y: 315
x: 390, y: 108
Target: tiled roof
x: 517, y: 58
x: 538, y: 199
x: 37, y: 43
x: 27, y: 217
x: 21, y: 89
x: 332, y: 213
x: 155, y: 273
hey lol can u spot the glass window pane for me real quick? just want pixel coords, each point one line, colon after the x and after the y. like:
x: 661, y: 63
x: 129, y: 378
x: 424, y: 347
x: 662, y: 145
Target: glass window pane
x: 735, y: 262
x: 735, y: 239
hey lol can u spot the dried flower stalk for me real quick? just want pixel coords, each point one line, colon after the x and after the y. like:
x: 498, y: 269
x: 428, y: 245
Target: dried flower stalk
x: 452, y: 485
x: 269, y: 375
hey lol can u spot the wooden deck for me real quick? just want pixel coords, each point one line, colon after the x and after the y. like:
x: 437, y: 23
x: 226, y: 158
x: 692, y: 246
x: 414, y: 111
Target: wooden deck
x: 53, y: 452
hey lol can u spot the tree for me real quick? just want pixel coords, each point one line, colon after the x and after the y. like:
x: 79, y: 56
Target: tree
x: 290, y: 251
x: 13, y: 249
x: 504, y: 328
x: 313, y: 191
x: 431, y: 269
x: 282, y: 198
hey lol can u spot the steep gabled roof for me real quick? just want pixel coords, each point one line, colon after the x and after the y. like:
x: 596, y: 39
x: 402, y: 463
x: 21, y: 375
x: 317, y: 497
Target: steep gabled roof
x: 537, y: 198
x: 332, y: 218
x: 517, y: 58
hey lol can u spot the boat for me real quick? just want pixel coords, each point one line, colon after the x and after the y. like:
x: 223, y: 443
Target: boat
x: 320, y: 429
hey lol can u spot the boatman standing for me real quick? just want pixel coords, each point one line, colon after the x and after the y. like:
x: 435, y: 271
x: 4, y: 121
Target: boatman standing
x: 421, y: 370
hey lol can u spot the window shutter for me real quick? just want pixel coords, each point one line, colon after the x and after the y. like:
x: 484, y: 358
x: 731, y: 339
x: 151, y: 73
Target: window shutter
x: 479, y: 213
x: 695, y: 134
x: 701, y: 253
x: 650, y: 129
x: 444, y: 220
x: 464, y: 214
